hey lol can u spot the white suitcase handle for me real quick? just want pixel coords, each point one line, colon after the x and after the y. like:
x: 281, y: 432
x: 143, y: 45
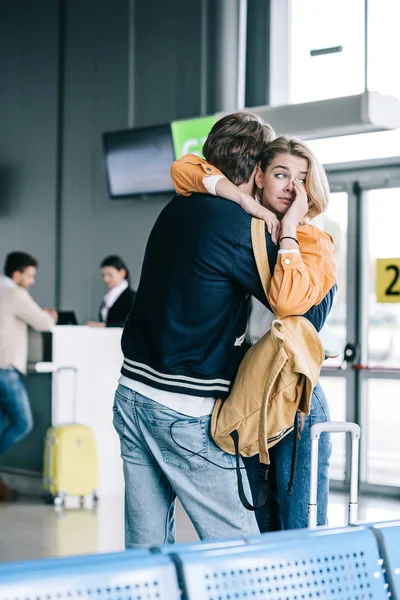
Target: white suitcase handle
x: 74, y: 370
x: 315, y: 434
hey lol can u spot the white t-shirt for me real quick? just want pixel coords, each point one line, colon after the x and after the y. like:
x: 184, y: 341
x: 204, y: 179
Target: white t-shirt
x: 191, y: 406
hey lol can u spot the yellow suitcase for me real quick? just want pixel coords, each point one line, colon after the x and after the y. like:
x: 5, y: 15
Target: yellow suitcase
x: 70, y: 463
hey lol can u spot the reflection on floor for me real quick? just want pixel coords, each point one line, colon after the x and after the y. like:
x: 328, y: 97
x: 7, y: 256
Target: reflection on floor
x: 29, y: 529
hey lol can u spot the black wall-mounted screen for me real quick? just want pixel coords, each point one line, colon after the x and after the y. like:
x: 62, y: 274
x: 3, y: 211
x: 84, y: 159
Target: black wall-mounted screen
x: 138, y: 160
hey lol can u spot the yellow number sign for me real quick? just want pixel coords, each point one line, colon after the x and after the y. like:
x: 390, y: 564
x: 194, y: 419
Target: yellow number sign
x: 388, y: 279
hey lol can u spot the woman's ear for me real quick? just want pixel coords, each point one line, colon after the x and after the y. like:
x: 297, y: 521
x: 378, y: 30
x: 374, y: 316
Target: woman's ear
x: 259, y: 178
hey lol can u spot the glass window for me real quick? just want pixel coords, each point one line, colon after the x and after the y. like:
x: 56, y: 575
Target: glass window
x: 318, y: 24
x: 363, y: 146
x: 383, y: 46
x: 321, y: 24
x: 381, y: 426
x: 383, y: 217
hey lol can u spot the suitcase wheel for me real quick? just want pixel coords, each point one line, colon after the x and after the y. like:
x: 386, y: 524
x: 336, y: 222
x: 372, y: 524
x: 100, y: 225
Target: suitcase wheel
x: 59, y: 500
x: 49, y: 498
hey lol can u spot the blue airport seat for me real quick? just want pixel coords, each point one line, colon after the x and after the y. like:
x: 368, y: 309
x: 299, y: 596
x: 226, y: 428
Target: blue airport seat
x: 293, y: 535
x: 388, y: 538
x: 66, y: 562
x: 279, y: 537
x: 146, y: 577
x: 344, y: 565
x: 199, y: 546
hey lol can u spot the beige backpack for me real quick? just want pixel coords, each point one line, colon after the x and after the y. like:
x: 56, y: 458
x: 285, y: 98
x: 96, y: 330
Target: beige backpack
x: 275, y: 380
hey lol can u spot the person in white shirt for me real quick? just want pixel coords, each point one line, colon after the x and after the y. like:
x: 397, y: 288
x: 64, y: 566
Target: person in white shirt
x: 118, y: 300
x: 18, y: 310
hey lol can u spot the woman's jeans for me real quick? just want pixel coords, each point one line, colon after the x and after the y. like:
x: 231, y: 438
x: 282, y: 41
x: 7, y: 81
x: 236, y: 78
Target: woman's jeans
x: 291, y: 512
x: 15, y: 411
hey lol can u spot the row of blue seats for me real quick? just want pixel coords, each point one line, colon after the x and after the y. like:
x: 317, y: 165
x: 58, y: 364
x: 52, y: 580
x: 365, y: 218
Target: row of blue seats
x: 351, y: 563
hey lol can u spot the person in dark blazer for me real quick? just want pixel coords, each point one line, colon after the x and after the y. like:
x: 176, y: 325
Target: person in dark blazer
x: 118, y: 300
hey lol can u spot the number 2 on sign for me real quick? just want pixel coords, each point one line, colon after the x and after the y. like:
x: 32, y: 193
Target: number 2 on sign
x: 388, y: 279
x: 390, y: 291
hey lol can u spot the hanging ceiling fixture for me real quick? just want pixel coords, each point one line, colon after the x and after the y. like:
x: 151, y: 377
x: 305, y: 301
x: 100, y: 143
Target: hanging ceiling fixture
x: 362, y: 113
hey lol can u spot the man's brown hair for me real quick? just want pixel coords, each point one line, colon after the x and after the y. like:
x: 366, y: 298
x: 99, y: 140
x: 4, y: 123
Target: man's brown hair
x: 235, y: 144
x: 18, y: 261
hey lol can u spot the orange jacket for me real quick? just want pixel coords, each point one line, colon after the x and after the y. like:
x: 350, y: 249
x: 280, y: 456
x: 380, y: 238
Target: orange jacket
x: 300, y: 280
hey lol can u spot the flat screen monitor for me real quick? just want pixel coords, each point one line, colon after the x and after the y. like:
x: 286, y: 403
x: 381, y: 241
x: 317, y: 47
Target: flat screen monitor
x: 138, y: 160
x: 67, y: 317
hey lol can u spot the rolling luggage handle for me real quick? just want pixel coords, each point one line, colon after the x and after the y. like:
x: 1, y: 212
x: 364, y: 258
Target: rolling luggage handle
x: 75, y: 392
x: 315, y: 434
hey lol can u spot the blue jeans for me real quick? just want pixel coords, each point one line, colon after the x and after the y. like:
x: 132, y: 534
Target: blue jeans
x: 157, y: 470
x: 15, y: 411
x: 291, y: 512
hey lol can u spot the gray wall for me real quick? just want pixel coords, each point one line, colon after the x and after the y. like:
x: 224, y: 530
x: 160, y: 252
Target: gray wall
x: 70, y: 70
x: 28, y: 134
x: 96, y: 99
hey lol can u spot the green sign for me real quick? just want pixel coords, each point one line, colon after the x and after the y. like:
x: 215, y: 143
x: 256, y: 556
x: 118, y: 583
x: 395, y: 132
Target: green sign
x: 189, y: 135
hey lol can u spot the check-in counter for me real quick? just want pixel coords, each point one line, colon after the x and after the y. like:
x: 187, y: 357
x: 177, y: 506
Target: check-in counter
x: 72, y: 378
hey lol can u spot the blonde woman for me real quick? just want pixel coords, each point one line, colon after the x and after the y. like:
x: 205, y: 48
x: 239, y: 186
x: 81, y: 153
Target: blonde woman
x: 291, y: 184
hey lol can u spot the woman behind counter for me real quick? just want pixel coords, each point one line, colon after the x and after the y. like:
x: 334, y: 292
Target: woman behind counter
x: 118, y: 300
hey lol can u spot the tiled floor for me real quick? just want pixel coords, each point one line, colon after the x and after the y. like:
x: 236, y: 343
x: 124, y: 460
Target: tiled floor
x: 30, y: 529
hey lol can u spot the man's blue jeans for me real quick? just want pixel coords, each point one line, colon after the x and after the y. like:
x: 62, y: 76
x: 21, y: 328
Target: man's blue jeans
x: 164, y: 454
x: 291, y: 512
x: 15, y: 411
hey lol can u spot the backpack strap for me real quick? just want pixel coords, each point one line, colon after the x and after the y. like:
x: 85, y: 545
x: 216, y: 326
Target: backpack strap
x: 263, y: 482
x: 259, y: 244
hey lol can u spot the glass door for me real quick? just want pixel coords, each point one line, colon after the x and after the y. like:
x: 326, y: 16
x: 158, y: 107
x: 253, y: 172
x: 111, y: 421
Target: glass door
x: 379, y: 368
x: 364, y: 384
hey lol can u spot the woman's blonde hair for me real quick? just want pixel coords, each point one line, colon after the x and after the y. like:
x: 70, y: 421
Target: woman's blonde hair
x: 317, y: 186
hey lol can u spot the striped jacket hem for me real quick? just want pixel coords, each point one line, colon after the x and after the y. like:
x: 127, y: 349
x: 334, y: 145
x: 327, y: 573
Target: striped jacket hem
x: 178, y: 383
